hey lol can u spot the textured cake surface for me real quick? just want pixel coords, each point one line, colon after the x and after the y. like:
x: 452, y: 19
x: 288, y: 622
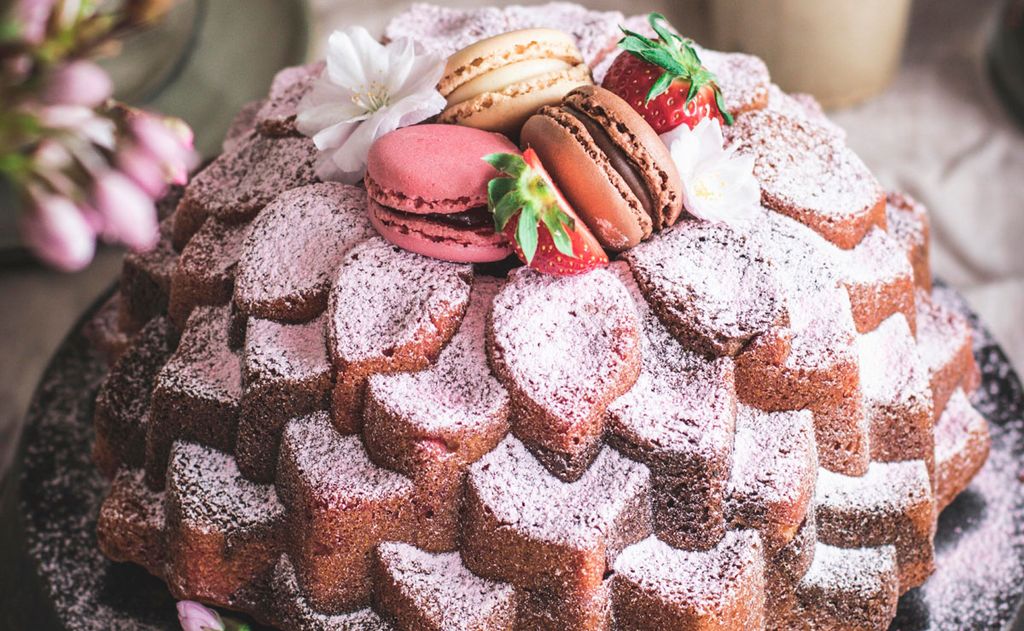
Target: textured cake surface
x: 750, y: 426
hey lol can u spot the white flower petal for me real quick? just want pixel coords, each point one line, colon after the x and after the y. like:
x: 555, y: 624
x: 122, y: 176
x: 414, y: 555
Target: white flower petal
x: 718, y: 186
x: 369, y: 89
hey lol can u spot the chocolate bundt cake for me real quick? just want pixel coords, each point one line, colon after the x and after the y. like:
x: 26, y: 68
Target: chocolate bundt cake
x: 731, y: 426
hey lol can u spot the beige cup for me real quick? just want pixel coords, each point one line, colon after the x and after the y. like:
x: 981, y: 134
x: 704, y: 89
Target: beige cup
x: 841, y: 51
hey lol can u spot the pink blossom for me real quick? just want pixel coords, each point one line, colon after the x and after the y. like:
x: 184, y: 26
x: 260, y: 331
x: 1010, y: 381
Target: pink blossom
x: 195, y: 617
x: 146, y: 172
x: 77, y: 83
x: 170, y: 146
x: 81, y: 120
x: 56, y: 230
x: 31, y: 16
x: 129, y: 215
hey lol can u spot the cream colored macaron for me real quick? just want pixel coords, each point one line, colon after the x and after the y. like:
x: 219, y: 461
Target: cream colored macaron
x: 499, y: 82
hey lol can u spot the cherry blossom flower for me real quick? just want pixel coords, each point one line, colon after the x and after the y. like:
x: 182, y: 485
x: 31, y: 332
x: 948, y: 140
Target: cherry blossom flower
x: 718, y: 185
x: 194, y: 616
x: 367, y: 90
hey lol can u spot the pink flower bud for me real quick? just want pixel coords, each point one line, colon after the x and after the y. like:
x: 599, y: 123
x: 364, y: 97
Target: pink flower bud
x: 129, y: 215
x: 170, y: 144
x: 55, y: 229
x: 143, y: 169
x: 31, y: 17
x: 195, y: 617
x: 77, y: 83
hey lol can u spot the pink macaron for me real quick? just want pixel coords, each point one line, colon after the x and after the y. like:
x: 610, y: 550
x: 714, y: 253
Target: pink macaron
x: 428, y: 191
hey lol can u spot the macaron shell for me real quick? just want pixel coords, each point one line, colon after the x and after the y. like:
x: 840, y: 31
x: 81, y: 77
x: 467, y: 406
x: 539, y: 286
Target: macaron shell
x: 484, y: 56
x: 429, y: 238
x: 647, y: 152
x: 499, y: 78
x: 506, y: 110
x: 433, y: 168
x: 595, y: 190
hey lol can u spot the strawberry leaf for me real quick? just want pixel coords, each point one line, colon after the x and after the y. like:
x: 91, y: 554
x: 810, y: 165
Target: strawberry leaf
x: 526, y: 232
x: 506, y: 208
x: 726, y: 116
x: 660, y: 86
x: 507, y: 163
x: 655, y: 20
x: 558, y: 234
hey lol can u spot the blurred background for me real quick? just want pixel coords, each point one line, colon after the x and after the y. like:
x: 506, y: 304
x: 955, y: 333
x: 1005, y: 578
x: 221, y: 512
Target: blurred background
x: 931, y: 93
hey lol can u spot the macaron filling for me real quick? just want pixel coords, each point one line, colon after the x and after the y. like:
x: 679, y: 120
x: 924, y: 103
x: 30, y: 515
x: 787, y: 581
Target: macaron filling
x: 503, y: 76
x: 471, y: 219
x: 618, y: 160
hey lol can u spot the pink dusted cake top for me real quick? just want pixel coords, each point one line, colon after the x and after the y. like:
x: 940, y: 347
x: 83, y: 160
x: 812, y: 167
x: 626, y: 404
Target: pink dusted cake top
x: 456, y: 180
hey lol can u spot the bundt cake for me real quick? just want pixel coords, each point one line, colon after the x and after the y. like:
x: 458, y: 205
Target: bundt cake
x: 731, y: 426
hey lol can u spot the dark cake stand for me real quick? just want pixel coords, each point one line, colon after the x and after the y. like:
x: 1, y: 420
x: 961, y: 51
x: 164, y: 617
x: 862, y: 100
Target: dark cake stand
x: 52, y: 576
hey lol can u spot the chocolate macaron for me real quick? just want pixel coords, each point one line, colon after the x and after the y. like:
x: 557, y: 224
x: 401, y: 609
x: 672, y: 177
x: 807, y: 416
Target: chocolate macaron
x: 611, y: 165
x: 427, y: 189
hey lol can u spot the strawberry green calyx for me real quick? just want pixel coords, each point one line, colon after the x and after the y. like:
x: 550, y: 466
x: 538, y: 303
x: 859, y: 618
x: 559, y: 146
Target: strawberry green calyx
x: 677, y: 57
x: 521, y: 190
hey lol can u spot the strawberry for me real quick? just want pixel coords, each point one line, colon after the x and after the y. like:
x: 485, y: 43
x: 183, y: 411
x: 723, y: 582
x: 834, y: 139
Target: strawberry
x: 664, y: 80
x: 524, y: 198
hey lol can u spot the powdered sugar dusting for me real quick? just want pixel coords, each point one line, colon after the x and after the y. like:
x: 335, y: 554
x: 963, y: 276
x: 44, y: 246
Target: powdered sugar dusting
x: 801, y: 107
x: 337, y: 468
x: 239, y: 183
x: 443, y: 591
x: 204, y: 365
x: 681, y: 402
x: 295, y: 246
x: 294, y: 609
x: 804, y: 169
x: 295, y: 352
x: 774, y: 469
x: 713, y: 286
x: 890, y: 368
x: 742, y: 78
x: 865, y: 571
x: 703, y: 581
x: 886, y: 488
x: 458, y: 392
x: 290, y: 85
x: 565, y: 342
x: 445, y: 30
x: 208, y: 493
x: 595, y: 32
x: 521, y: 493
x: 877, y: 260
x: 941, y: 331
x: 385, y: 297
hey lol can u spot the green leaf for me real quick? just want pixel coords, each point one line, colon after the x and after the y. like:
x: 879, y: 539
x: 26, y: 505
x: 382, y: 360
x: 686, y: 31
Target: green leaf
x: 720, y: 102
x: 634, y: 39
x: 660, y: 86
x: 558, y: 234
x: 655, y: 20
x: 506, y: 209
x: 694, y: 88
x: 526, y: 233
x: 508, y: 163
x: 498, y: 188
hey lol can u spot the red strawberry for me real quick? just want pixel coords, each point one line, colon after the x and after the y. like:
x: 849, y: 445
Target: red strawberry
x: 524, y: 200
x: 664, y: 80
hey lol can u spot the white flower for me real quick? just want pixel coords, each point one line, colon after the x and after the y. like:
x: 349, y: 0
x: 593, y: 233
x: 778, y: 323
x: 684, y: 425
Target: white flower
x: 367, y: 90
x: 718, y: 186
